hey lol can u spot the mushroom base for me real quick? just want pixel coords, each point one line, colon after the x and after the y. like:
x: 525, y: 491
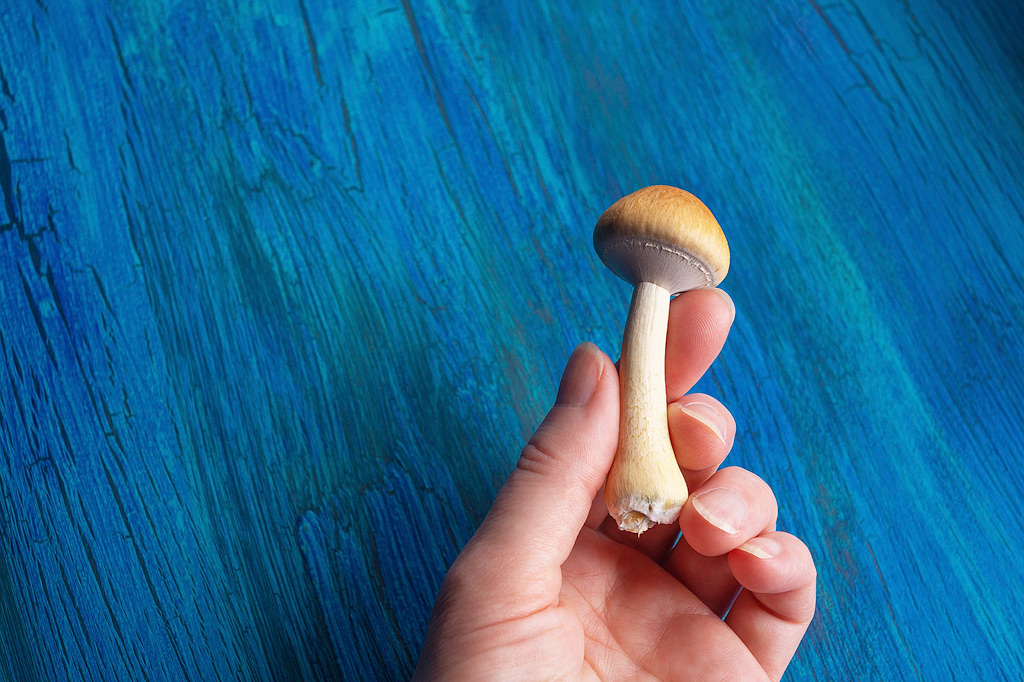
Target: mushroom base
x: 637, y: 513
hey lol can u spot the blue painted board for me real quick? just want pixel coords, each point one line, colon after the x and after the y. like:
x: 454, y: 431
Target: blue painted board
x: 285, y: 286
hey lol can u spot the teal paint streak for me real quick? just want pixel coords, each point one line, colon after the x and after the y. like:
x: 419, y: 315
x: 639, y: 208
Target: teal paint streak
x: 282, y: 293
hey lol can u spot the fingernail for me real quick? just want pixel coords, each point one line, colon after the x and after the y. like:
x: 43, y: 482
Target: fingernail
x: 707, y: 415
x: 728, y: 299
x: 582, y: 372
x: 722, y: 508
x: 762, y: 548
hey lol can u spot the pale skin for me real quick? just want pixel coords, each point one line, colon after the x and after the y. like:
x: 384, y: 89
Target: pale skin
x: 549, y: 589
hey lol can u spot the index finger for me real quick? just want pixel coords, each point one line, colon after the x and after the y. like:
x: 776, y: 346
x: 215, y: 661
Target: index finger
x: 698, y: 324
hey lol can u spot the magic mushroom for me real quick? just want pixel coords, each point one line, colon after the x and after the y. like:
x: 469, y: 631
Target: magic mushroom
x: 663, y: 241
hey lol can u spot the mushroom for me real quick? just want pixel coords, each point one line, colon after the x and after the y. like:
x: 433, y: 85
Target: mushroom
x: 663, y: 241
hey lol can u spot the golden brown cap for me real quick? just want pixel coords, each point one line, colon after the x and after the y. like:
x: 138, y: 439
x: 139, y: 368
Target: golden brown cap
x: 663, y: 235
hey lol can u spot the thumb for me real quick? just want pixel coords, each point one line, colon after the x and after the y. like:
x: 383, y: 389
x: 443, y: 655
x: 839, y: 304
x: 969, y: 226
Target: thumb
x: 533, y: 524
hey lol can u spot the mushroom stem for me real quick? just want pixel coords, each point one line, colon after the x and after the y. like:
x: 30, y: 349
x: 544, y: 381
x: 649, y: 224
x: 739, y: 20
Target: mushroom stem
x: 645, y: 485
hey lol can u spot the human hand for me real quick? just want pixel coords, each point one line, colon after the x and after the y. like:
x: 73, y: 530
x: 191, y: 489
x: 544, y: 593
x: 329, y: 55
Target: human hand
x: 549, y: 588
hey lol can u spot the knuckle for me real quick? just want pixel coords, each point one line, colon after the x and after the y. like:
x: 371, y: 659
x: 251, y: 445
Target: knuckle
x: 535, y: 459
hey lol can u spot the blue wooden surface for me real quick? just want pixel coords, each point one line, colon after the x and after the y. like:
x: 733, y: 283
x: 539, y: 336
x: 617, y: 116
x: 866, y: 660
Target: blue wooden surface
x: 284, y: 287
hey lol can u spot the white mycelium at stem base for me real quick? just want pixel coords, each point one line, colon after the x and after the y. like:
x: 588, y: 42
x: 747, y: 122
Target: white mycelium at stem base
x: 645, y: 485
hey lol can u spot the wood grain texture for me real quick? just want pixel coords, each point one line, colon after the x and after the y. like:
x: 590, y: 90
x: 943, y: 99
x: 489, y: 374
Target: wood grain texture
x: 284, y: 286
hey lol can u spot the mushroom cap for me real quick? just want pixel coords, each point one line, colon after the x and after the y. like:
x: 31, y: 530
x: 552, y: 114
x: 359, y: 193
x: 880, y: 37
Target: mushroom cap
x: 663, y: 235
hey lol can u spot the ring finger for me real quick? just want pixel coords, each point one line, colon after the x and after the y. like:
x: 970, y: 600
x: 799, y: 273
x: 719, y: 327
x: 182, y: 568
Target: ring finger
x: 731, y: 507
